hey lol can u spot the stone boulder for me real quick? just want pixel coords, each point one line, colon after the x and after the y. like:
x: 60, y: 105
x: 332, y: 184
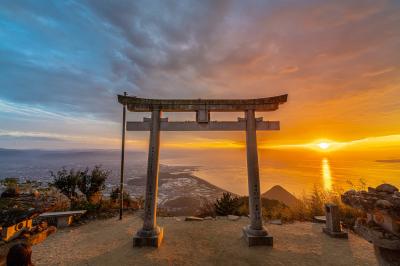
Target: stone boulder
x: 383, y: 204
x: 381, y: 225
x: 382, y: 198
x: 388, y: 188
x: 233, y: 217
x: 193, y: 218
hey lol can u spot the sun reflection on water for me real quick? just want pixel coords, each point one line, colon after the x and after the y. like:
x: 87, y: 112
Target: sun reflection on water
x: 326, y: 174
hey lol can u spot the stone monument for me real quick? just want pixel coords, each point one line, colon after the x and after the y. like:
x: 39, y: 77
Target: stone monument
x: 333, y: 227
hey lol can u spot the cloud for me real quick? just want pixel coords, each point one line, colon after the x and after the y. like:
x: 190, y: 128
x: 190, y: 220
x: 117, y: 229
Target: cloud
x: 289, y: 69
x: 29, y: 138
x: 72, y: 64
x: 377, y: 72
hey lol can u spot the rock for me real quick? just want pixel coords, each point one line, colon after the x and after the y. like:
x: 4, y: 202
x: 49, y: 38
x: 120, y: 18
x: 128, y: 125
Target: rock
x: 351, y: 192
x: 178, y: 219
x: 377, y: 236
x: 208, y: 218
x: 277, y: 222
x: 193, y: 218
x: 383, y: 204
x: 320, y: 219
x: 233, y: 217
x: 387, y: 188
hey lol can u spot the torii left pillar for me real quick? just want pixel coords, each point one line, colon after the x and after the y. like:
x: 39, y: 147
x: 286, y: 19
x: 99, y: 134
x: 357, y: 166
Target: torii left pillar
x: 255, y: 233
x: 151, y: 234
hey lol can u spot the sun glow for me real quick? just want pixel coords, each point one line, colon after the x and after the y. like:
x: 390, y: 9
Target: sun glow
x: 324, y: 145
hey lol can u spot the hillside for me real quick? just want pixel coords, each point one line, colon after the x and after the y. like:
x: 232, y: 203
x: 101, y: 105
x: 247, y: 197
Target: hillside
x: 279, y: 193
x: 179, y: 192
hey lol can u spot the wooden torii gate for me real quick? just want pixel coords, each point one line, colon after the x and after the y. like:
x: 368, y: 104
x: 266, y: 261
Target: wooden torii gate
x: 151, y: 234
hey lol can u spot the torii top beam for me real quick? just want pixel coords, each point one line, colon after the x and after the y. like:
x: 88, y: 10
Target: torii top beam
x: 136, y: 104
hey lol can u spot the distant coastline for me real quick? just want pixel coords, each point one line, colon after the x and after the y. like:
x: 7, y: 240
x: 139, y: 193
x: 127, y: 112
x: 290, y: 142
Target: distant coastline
x: 226, y: 170
x: 388, y: 161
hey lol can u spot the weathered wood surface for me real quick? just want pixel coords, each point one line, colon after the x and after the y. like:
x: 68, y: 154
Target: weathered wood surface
x: 194, y: 126
x: 136, y: 104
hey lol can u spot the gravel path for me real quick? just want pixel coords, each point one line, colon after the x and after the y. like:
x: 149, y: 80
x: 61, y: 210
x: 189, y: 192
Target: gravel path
x: 219, y: 242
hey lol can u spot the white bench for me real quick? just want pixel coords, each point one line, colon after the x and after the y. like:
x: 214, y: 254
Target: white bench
x: 63, y: 219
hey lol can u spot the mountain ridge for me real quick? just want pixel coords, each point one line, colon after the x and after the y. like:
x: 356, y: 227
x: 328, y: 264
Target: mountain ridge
x: 277, y: 192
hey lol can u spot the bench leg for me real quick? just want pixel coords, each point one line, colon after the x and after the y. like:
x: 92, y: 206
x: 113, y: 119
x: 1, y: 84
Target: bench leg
x: 64, y: 221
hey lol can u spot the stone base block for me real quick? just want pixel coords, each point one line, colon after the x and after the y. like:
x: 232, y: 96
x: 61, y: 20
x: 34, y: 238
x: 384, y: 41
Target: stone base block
x: 257, y: 240
x: 149, y: 241
x: 335, y: 234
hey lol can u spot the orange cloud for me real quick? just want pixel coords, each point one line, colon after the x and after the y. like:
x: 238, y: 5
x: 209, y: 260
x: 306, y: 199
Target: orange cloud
x: 289, y: 69
x: 377, y: 72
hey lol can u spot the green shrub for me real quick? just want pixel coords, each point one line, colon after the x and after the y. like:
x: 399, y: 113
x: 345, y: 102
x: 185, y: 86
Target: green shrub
x: 227, y: 204
x: 67, y: 181
x: 10, y: 192
x: 115, y: 195
x: 10, y: 181
x: 313, y: 205
x: 127, y: 200
x: 85, y: 205
x: 317, y: 200
x: 89, y: 184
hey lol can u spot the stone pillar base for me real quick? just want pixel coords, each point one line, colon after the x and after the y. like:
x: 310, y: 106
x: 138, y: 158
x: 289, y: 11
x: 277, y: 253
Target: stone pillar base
x: 257, y: 237
x: 335, y: 234
x: 148, y: 240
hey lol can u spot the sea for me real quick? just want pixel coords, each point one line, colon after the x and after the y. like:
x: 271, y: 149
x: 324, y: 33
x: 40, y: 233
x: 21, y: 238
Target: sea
x: 298, y: 171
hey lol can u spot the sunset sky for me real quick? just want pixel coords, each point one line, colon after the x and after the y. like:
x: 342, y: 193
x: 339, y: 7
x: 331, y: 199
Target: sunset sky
x: 62, y: 63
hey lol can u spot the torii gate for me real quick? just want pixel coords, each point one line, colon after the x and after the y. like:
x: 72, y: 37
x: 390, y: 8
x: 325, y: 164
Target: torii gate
x: 151, y: 234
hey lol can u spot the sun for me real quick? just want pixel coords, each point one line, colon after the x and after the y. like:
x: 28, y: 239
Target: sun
x: 324, y: 145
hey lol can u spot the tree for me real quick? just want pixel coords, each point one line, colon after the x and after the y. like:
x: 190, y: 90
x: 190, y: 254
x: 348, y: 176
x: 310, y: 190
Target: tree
x: 89, y: 184
x: 67, y: 181
x: 227, y: 204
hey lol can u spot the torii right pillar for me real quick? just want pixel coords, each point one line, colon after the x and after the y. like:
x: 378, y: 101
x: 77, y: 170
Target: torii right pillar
x: 255, y: 233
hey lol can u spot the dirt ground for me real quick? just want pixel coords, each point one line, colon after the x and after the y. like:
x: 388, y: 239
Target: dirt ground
x: 219, y: 242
